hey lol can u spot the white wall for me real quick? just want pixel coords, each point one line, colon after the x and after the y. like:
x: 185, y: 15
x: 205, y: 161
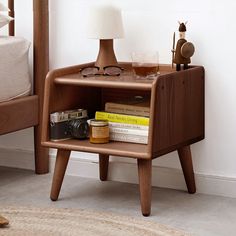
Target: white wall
x: 149, y: 24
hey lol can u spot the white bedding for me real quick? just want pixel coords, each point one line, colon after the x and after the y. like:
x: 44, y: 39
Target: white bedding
x: 14, y: 68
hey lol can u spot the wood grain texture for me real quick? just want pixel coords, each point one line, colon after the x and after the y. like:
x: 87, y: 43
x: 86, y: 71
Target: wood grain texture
x: 59, y: 172
x: 41, y: 68
x: 132, y: 150
x: 178, y: 110
x: 145, y: 185
x: 103, y: 166
x: 126, y: 82
x: 18, y: 114
x: 187, y: 167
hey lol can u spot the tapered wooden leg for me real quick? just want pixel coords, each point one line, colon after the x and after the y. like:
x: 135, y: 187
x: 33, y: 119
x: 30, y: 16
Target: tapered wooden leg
x: 59, y: 172
x: 103, y: 166
x: 187, y: 166
x: 145, y: 185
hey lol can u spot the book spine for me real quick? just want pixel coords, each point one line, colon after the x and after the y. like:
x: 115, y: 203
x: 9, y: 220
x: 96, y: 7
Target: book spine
x: 127, y: 126
x: 127, y: 109
x: 129, y: 138
x: 120, y: 118
x: 128, y: 131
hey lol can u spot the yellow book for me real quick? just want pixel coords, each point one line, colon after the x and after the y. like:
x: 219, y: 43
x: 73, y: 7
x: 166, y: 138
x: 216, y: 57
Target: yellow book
x: 120, y: 118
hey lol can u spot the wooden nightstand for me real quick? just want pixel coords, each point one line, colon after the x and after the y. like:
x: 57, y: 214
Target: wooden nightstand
x: 176, y: 119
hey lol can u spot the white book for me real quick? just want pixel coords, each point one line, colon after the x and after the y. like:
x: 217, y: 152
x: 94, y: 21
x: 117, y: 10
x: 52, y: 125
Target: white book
x: 127, y: 126
x: 129, y: 138
x: 121, y: 130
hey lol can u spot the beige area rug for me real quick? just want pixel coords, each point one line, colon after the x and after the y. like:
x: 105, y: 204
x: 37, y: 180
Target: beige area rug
x: 25, y: 221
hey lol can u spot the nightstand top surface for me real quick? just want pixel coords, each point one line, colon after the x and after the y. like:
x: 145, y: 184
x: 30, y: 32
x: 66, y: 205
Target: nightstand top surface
x: 126, y: 80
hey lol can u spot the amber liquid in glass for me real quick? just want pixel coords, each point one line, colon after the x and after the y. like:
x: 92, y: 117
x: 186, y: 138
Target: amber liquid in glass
x: 144, y: 70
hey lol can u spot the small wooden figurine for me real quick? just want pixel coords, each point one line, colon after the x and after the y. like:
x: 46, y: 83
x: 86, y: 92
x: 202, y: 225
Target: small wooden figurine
x: 184, y: 50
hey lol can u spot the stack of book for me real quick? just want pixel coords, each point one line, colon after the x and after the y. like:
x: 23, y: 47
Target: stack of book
x: 128, y: 120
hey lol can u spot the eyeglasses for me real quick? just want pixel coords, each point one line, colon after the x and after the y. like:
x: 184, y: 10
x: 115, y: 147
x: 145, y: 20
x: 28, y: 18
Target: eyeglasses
x: 107, y: 70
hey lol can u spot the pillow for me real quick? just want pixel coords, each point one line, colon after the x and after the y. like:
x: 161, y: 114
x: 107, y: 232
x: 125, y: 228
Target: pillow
x: 4, y: 20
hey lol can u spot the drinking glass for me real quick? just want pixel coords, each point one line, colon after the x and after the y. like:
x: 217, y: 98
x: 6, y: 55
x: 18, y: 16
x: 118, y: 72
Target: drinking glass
x: 145, y: 64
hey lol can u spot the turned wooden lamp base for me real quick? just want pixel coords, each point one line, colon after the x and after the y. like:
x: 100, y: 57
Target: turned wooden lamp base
x: 106, y: 55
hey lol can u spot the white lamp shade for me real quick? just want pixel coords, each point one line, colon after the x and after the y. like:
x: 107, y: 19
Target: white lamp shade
x: 105, y: 22
x: 3, y: 8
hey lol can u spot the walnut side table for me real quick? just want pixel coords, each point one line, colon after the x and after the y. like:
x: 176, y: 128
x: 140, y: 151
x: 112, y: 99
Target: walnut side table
x: 176, y: 119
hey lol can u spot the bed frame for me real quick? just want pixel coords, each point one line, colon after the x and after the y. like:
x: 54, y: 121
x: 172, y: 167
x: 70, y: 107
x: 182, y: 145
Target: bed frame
x: 26, y: 112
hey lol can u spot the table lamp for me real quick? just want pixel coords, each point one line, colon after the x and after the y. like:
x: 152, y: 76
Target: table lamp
x: 105, y: 24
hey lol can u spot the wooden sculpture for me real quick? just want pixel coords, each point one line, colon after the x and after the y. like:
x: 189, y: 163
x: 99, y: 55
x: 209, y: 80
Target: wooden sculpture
x: 184, y: 50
